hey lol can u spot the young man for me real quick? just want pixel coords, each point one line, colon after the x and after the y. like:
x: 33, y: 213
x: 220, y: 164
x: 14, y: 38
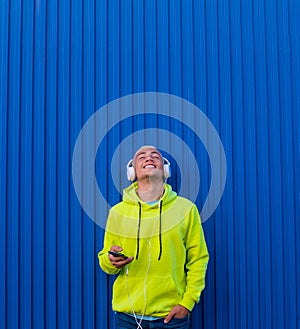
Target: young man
x: 155, y: 243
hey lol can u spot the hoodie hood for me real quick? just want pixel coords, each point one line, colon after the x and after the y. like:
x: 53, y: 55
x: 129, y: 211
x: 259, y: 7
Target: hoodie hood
x: 130, y: 195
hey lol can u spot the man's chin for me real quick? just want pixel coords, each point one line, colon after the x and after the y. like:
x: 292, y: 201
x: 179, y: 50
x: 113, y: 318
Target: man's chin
x: 156, y: 173
x: 153, y: 173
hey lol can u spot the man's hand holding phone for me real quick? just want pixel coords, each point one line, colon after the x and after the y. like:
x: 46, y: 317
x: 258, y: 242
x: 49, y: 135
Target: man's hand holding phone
x: 117, y: 258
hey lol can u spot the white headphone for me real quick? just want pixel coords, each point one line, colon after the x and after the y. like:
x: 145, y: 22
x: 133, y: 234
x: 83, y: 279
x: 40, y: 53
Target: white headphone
x: 131, y: 171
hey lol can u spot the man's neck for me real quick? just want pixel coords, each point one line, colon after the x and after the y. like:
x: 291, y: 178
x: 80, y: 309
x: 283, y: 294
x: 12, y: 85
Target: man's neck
x: 150, y: 190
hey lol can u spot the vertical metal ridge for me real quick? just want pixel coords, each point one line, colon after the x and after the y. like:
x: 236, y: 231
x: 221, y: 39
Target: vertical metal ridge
x: 51, y: 166
x: 275, y: 168
x: 76, y: 283
x: 4, y: 106
x: 63, y: 165
x: 250, y: 144
x: 263, y: 184
x: 26, y: 174
x: 38, y: 166
x: 88, y: 229
x: 294, y: 24
x: 285, y: 101
x: 102, y: 291
x: 13, y: 168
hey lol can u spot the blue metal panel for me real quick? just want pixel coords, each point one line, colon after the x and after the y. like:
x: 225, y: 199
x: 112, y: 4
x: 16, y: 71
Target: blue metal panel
x: 238, y: 61
x: 294, y: 25
x: 4, y: 42
x: 76, y: 303
x: 38, y: 168
x: 12, y: 160
x: 138, y: 45
x: 51, y: 143
x: 25, y: 232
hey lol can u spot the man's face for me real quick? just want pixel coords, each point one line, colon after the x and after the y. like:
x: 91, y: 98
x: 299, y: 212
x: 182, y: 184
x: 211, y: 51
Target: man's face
x: 148, y: 162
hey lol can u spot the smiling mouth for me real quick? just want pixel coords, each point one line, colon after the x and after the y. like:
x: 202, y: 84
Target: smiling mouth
x: 149, y: 166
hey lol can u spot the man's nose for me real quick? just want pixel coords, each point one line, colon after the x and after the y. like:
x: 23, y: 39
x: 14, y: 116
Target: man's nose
x: 149, y: 157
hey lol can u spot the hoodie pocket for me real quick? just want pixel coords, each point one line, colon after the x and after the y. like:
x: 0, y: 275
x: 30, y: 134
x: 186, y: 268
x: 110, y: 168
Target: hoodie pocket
x: 159, y: 293
x: 163, y: 294
x: 163, y: 286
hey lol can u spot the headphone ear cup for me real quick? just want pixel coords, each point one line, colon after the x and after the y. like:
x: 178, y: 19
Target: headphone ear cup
x: 131, y: 174
x: 130, y: 171
x: 167, y: 169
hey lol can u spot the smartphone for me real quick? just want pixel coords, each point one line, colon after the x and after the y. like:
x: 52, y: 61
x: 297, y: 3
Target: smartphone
x: 117, y: 254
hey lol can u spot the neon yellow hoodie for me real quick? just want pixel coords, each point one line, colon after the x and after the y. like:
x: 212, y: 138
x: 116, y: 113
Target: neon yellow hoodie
x: 169, y: 249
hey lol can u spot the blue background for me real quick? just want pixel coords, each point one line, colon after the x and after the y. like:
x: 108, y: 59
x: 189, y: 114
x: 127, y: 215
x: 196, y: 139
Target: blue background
x: 237, y: 61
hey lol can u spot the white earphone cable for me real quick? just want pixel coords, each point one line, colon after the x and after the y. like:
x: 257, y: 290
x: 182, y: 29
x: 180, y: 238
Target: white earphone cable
x: 139, y: 320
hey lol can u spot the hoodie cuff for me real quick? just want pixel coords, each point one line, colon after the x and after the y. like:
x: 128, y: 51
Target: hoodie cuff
x: 106, y: 265
x: 187, y: 303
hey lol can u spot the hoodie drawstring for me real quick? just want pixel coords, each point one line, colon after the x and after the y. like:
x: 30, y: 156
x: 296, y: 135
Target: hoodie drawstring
x: 139, y: 229
x: 138, y: 232
x: 159, y: 237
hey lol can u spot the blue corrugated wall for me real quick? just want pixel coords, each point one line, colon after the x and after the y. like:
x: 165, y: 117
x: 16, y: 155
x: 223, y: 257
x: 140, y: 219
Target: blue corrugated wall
x: 60, y: 61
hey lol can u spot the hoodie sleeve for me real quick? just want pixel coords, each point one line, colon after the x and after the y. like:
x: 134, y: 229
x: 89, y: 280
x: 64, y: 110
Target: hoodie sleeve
x: 197, y: 260
x: 110, y: 239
